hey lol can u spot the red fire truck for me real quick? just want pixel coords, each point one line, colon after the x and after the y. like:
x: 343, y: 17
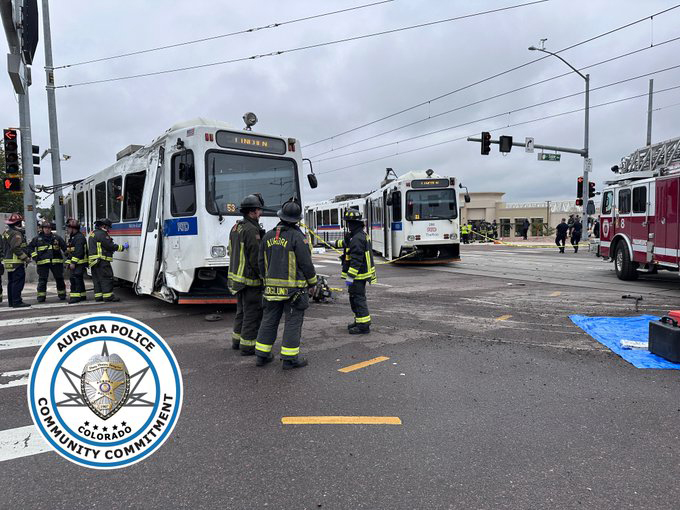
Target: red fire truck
x: 640, y: 212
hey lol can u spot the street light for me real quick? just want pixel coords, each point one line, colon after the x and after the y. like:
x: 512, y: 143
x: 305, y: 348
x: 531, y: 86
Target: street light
x: 585, y: 134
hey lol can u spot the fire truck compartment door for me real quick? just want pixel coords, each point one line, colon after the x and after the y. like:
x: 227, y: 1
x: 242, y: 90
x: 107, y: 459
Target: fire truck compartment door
x: 667, y: 231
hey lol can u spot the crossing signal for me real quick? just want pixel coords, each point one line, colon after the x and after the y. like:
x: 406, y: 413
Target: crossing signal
x: 579, y: 201
x: 12, y: 184
x: 486, y: 143
x: 35, y: 149
x: 505, y: 143
x: 11, y: 151
x: 579, y: 189
x: 591, y: 189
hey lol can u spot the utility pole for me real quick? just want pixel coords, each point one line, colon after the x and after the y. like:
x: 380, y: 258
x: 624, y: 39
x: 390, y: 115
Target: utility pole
x: 52, y: 114
x: 650, y: 105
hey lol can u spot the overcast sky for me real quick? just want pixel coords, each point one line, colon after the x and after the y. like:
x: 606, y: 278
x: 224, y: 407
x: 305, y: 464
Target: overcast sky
x: 319, y: 92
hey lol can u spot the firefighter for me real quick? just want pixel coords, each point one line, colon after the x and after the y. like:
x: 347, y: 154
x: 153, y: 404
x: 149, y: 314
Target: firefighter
x: 577, y: 230
x: 357, y: 269
x: 244, y: 274
x: 285, y: 262
x: 15, y: 258
x: 465, y: 233
x: 561, y: 237
x: 76, y: 253
x: 47, y: 251
x: 101, y: 247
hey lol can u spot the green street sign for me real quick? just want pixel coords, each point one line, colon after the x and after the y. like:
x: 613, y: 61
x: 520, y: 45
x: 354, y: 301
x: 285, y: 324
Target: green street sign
x: 542, y: 156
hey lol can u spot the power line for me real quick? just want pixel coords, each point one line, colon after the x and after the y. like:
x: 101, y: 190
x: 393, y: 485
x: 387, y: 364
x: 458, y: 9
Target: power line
x: 496, y: 96
x: 506, y: 126
x: 492, y: 77
x: 302, y: 48
x: 516, y: 110
x: 222, y: 36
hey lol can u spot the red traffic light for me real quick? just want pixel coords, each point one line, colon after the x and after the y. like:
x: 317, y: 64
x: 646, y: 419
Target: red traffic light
x: 591, y: 189
x: 12, y: 184
x: 486, y: 143
x: 9, y: 134
x: 579, y: 201
x: 579, y: 188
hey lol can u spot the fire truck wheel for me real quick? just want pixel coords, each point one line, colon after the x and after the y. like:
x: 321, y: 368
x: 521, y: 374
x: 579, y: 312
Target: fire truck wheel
x: 625, y: 269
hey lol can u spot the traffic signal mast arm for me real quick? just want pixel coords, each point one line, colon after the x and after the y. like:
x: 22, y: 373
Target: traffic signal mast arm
x: 581, y: 152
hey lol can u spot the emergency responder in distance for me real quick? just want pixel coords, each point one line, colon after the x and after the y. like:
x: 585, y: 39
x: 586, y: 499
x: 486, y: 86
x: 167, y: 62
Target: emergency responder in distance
x: 76, y: 253
x: 47, y: 251
x: 14, y: 259
x: 577, y: 230
x: 286, y: 266
x: 357, y: 269
x: 244, y: 274
x: 101, y: 247
x: 561, y: 237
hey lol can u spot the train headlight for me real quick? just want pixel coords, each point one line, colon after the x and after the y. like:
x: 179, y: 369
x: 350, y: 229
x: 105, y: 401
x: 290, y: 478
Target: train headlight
x: 454, y: 236
x: 218, y: 252
x: 410, y: 238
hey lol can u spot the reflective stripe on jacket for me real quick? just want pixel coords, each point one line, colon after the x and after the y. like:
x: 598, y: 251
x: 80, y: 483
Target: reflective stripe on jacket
x: 76, y: 252
x: 244, y: 248
x: 101, y: 246
x: 285, y: 262
x: 357, y: 256
x: 47, y: 249
x: 14, y: 248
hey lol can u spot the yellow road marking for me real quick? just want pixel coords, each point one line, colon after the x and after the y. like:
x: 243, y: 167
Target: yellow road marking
x: 363, y: 364
x: 341, y: 420
x: 504, y: 317
x: 556, y: 293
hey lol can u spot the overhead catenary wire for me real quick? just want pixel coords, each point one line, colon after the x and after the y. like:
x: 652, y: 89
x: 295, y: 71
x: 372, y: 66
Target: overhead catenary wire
x: 303, y: 48
x: 505, y: 126
x: 491, y: 77
x: 495, y: 96
x: 500, y: 114
x: 222, y: 36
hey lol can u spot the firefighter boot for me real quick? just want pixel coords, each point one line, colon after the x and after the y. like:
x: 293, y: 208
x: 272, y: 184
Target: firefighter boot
x: 360, y: 329
x: 351, y: 325
x: 248, y: 351
x: 263, y: 360
x: 576, y: 249
x: 297, y: 362
x: 112, y: 299
x: 561, y: 249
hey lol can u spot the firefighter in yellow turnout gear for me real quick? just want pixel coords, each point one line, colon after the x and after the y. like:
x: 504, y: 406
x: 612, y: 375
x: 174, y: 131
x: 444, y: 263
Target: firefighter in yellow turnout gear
x: 286, y: 265
x: 47, y: 250
x: 14, y: 259
x: 101, y: 248
x: 358, y: 269
x: 244, y: 274
x: 76, y: 258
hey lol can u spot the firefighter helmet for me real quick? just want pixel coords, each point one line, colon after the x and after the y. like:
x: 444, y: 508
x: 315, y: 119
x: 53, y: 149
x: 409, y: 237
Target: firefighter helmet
x: 73, y: 223
x: 352, y: 214
x: 45, y: 224
x: 103, y: 221
x: 290, y: 212
x: 14, y: 218
x: 253, y: 201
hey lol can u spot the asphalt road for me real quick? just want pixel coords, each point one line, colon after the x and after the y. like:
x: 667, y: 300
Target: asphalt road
x: 503, y: 402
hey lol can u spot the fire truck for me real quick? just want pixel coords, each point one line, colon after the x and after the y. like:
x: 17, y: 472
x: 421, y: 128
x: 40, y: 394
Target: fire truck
x: 640, y: 212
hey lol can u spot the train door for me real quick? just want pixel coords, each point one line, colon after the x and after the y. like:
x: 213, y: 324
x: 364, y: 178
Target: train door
x: 386, y: 226
x: 149, y: 260
x: 667, y: 220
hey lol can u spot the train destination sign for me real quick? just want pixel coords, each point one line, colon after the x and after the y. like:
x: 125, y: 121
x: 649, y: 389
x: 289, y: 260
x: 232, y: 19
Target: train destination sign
x: 248, y: 142
x: 430, y: 183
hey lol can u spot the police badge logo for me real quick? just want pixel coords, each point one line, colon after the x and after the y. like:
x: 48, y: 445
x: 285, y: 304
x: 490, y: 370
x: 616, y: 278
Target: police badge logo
x: 105, y: 391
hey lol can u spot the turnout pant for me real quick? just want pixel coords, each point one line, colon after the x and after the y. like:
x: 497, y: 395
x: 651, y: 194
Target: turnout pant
x: 15, y: 284
x: 43, y: 275
x: 560, y: 241
x: 248, y: 317
x: 102, y: 277
x: 357, y: 300
x: 295, y: 316
x: 78, y: 282
x: 575, y: 239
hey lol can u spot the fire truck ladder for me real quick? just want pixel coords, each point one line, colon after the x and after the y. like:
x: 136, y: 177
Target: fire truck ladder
x: 652, y: 158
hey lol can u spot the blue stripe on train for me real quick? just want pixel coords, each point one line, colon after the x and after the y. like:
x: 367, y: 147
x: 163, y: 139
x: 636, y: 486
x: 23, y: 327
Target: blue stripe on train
x: 181, y: 227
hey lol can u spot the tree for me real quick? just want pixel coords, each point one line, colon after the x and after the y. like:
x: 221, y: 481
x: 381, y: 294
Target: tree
x: 9, y: 202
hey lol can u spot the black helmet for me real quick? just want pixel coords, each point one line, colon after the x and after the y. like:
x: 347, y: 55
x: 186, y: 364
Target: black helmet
x: 352, y: 214
x: 45, y: 224
x: 103, y: 221
x: 290, y: 212
x: 253, y: 201
x: 73, y: 223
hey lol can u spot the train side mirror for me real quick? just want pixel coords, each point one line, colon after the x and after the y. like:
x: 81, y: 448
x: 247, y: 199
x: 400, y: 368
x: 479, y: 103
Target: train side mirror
x: 467, y: 198
x: 313, y: 183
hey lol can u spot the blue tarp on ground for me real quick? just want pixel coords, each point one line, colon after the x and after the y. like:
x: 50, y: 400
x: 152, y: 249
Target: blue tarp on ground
x: 609, y: 331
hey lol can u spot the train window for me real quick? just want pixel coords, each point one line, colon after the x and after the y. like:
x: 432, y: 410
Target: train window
x: 183, y: 182
x: 640, y: 199
x: 81, y: 207
x: 435, y: 204
x: 114, y: 192
x: 100, y: 200
x: 326, y: 217
x: 396, y: 206
x: 319, y: 219
x: 334, y: 217
x: 624, y: 201
x: 607, y: 201
x: 134, y: 193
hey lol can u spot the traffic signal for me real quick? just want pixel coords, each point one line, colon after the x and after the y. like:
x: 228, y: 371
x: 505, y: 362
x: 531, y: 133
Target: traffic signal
x: 579, y: 201
x: 12, y: 184
x: 11, y: 151
x: 591, y: 189
x: 35, y: 149
x: 579, y: 188
x: 486, y: 143
x: 505, y: 143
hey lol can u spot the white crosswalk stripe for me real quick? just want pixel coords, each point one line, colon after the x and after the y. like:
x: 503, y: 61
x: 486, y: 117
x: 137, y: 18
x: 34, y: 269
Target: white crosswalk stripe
x: 21, y: 442
x: 41, y: 320
x: 20, y: 343
x: 20, y: 378
x: 51, y: 305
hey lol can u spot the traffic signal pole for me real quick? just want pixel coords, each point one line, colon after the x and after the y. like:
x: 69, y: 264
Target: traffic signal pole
x: 586, y: 186
x: 52, y: 114
x: 27, y: 165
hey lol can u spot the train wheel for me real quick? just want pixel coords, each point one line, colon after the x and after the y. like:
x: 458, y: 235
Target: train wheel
x: 625, y: 269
